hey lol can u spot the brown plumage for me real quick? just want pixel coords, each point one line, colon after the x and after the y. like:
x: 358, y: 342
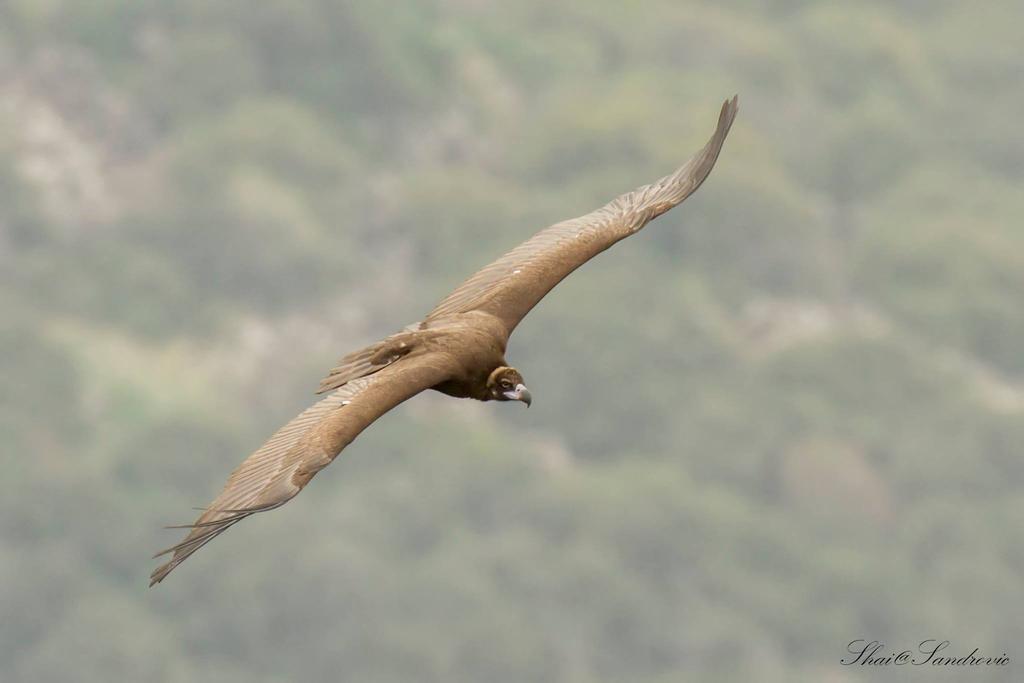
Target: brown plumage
x: 458, y: 349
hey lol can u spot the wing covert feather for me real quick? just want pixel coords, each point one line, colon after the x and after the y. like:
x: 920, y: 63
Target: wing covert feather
x: 512, y: 285
x: 369, y: 360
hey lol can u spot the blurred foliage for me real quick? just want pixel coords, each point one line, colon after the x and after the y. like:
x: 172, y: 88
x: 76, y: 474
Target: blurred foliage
x: 784, y: 417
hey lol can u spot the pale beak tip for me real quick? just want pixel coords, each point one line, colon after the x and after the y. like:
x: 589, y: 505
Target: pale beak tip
x: 520, y: 393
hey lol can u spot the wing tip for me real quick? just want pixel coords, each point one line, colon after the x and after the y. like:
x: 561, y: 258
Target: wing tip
x: 728, y: 114
x: 709, y: 155
x: 161, y: 572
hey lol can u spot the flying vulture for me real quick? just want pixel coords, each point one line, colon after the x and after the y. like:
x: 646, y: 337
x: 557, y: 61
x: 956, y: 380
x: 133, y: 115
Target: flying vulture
x: 458, y: 349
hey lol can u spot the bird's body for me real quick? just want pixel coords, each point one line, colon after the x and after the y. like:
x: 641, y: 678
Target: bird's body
x: 474, y: 364
x: 458, y: 349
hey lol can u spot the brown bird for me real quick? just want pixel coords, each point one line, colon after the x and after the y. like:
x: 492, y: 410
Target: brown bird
x: 458, y: 349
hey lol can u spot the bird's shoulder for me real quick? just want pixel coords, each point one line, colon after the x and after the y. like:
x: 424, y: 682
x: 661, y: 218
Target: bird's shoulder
x: 475, y: 342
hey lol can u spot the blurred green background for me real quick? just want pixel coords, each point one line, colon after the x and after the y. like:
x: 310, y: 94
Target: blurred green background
x: 785, y: 416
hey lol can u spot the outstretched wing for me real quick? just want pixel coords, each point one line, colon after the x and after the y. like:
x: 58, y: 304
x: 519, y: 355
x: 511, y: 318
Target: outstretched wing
x: 512, y: 285
x: 276, y: 472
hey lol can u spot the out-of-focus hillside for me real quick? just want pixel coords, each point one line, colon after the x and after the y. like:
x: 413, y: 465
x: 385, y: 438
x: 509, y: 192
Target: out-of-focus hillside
x: 788, y: 415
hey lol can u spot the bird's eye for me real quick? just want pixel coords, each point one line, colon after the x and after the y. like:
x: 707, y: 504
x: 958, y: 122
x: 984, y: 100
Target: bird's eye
x: 505, y: 384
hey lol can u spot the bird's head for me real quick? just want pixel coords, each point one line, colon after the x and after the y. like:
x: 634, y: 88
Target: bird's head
x: 506, y: 384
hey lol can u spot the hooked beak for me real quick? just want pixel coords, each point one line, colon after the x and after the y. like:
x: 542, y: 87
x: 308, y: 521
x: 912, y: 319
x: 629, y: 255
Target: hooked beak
x: 521, y: 393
